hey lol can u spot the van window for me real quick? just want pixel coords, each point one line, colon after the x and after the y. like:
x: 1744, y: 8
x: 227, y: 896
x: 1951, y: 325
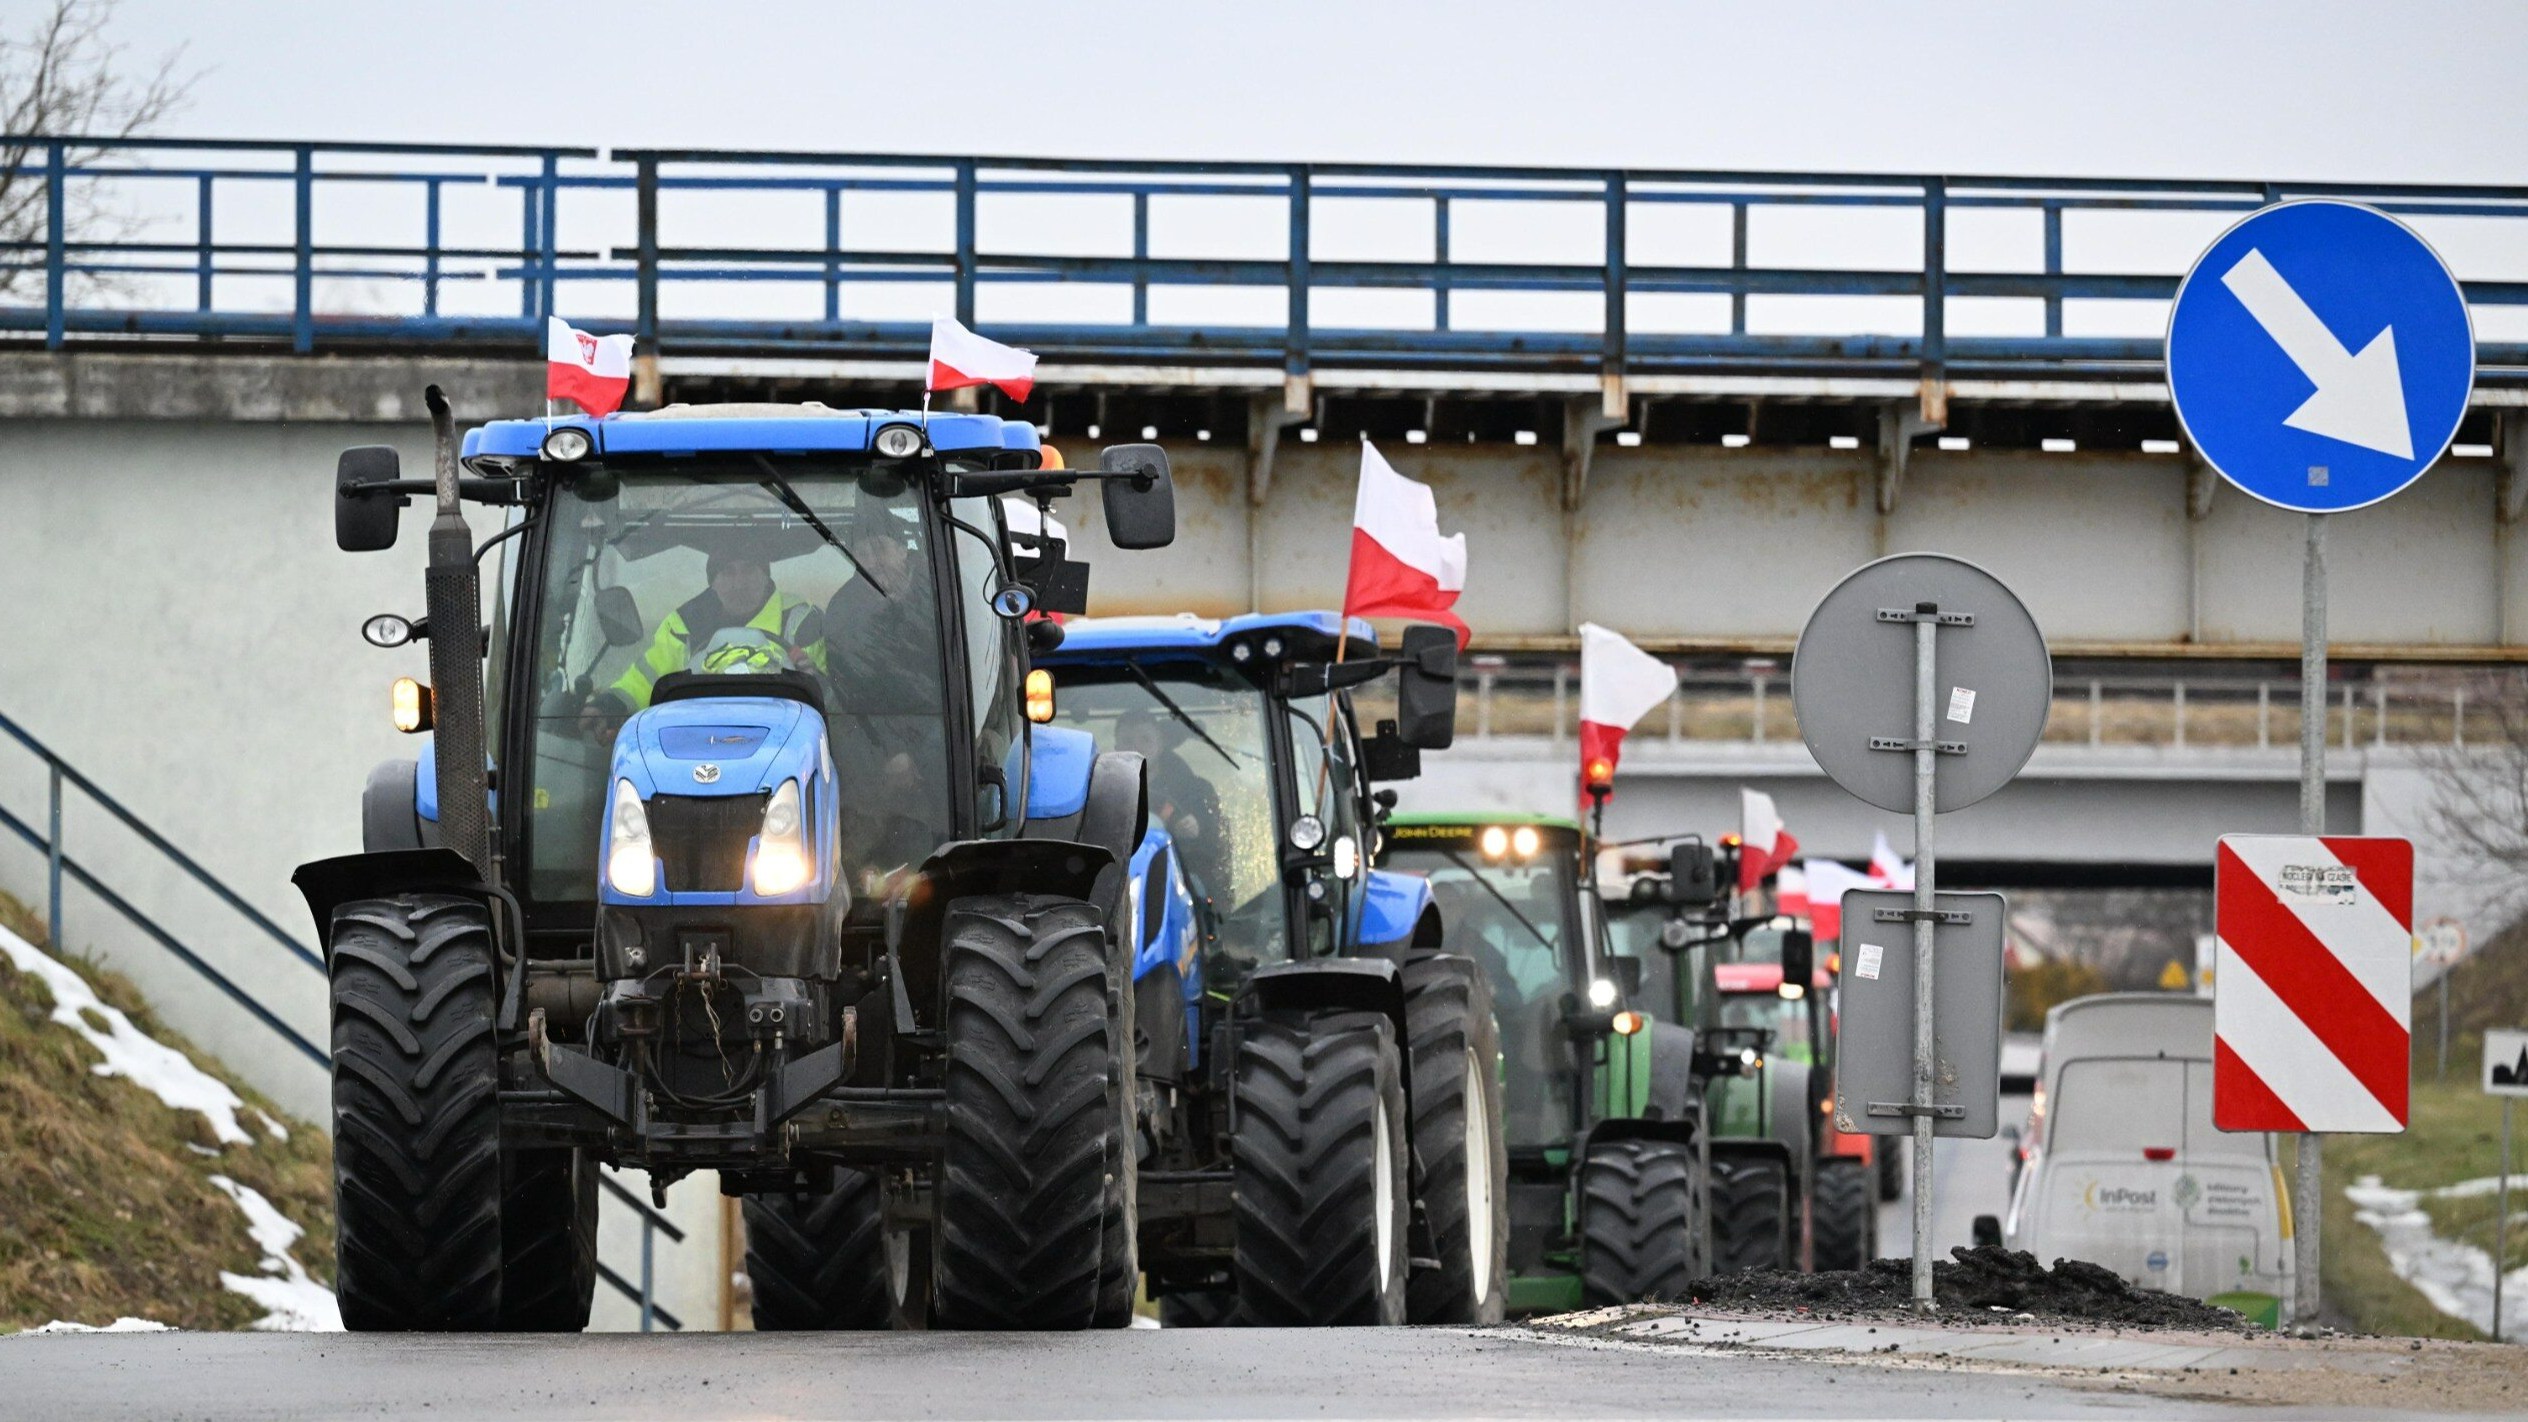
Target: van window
x: 2118, y: 1106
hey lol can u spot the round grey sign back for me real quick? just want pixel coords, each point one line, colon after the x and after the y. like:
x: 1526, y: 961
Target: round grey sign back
x: 1853, y: 680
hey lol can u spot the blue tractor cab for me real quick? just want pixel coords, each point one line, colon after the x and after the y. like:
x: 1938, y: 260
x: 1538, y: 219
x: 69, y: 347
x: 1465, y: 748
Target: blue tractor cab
x: 734, y: 848
x: 1320, y: 1105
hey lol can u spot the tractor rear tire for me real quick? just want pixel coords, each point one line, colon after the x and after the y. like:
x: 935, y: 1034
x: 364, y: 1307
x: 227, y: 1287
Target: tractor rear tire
x: 548, y: 1240
x: 1321, y: 1174
x: 1464, y: 1184
x: 819, y: 1262
x: 416, y: 1101
x: 1751, y: 1212
x: 1022, y: 1198
x: 1198, y: 1308
x: 1640, y: 1204
x: 1843, y: 1224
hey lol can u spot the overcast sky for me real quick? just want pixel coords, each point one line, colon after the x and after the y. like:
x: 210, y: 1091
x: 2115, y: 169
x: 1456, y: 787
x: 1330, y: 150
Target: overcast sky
x: 2411, y: 90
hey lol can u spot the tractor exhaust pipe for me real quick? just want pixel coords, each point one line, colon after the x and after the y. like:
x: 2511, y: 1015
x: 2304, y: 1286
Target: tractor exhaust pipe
x: 454, y: 599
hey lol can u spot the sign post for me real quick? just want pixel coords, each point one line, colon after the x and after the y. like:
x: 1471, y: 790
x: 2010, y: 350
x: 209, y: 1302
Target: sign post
x: 1978, y: 702
x: 2319, y: 357
x: 2505, y: 1076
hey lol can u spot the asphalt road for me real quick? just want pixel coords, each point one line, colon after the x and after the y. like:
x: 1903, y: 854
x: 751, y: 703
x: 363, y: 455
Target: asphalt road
x: 1388, y: 1373
x: 1968, y: 1178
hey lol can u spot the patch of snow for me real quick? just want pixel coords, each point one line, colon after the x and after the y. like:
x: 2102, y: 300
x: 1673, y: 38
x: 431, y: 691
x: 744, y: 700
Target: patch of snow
x: 120, y: 1325
x: 2455, y: 1276
x: 130, y: 1053
x: 1143, y: 1320
x: 2478, y: 1188
x: 292, y: 1302
x: 272, y: 1127
x: 199, y: 1149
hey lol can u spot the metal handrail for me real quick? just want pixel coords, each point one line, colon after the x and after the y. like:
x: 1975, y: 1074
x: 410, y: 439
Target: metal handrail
x: 1623, y: 344
x: 60, y: 866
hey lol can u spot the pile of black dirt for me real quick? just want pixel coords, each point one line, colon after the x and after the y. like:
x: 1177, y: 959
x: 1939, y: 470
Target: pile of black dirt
x: 1984, y: 1284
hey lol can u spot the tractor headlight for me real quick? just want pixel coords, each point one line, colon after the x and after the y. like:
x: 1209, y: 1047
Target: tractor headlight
x: 1791, y: 992
x: 1494, y: 841
x: 631, y: 865
x: 568, y: 445
x: 1347, y: 857
x: 1306, y: 833
x: 1601, y: 994
x: 781, y: 849
x: 898, y: 441
x: 1524, y: 840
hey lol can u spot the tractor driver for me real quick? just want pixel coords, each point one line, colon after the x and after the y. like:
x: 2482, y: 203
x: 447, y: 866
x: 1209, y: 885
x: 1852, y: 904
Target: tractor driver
x: 1181, y: 799
x: 740, y: 623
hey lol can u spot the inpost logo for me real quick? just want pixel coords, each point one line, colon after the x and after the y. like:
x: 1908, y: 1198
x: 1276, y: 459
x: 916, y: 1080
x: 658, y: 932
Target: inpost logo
x: 2117, y: 1197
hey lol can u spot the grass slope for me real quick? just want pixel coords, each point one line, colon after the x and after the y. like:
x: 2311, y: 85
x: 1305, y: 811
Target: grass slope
x: 110, y: 1210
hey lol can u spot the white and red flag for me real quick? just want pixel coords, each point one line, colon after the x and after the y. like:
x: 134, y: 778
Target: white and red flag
x: 1763, y: 844
x: 1401, y: 566
x: 1619, y: 683
x: 1790, y: 893
x: 1888, y: 869
x: 959, y: 358
x: 2312, y: 996
x: 593, y: 371
x: 1828, y: 881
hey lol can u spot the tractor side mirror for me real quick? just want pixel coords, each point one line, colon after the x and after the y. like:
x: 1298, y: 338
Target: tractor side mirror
x: 618, y: 616
x: 1426, y: 688
x: 1693, y: 873
x: 1799, y: 957
x: 1386, y: 756
x: 364, y: 517
x: 1626, y: 972
x: 1139, y: 495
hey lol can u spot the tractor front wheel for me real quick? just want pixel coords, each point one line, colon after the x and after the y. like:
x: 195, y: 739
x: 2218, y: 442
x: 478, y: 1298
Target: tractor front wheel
x: 1640, y: 1204
x: 1320, y: 1171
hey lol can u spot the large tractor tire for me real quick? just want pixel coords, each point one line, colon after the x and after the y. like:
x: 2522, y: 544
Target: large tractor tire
x: 1022, y: 1199
x: 548, y: 1240
x: 820, y: 1262
x: 417, y: 1179
x: 1119, y: 1245
x: 1843, y: 1224
x: 1751, y: 1214
x: 1320, y: 1171
x: 1198, y: 1308
x: 1464, y: 1182
x: 1640, y: 1204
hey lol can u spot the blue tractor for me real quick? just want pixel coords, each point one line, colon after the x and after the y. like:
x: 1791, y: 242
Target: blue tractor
x: 1318, y: 1084
x: 735, y: 848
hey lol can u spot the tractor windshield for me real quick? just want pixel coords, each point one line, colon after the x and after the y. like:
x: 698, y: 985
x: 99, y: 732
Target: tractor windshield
x: 1200, y: 730
x: 1517, y: 916
x: 740, y: 566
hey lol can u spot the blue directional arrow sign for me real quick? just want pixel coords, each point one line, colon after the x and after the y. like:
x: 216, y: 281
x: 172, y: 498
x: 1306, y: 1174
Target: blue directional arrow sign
x: 2320, y: 355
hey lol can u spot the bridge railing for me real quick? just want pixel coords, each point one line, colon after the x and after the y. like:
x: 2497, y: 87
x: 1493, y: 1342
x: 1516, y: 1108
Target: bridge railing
x: 63, y: 870
x: 1499, y: 698
x: 1591, y: 272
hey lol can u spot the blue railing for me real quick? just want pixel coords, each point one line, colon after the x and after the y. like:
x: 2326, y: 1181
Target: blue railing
x: 874, y: 236
x: 62, y: 869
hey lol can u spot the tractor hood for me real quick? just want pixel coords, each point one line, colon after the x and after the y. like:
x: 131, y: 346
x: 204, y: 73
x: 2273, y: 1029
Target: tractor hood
x: 715, y: 746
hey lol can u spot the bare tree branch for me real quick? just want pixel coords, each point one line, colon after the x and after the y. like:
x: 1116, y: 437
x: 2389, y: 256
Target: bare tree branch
x: 67, y: 77
x: 2481, y: 807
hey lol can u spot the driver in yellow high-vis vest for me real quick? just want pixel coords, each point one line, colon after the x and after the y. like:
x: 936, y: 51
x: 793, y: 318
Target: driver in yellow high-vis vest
x: 740, y: 623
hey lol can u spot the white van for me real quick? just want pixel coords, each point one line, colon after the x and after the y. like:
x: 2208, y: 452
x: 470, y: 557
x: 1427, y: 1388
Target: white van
x: 2119, y: 1163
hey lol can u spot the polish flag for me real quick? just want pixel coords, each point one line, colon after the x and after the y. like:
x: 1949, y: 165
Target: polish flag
x: 1828, y: 881
x: 1619, y: 683
x: 959, y: 358
x: 1763, y: 844
x: 593, y: 371
x: 1401, y: 566
x: 1790, y: 893
x: 1888, y: 870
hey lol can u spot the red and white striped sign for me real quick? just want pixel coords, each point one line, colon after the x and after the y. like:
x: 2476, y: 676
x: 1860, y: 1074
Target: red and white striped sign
x: 2312, y: 1002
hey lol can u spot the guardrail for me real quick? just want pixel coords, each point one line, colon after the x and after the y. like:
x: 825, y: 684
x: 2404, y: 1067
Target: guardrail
x: 61, y: 869
x: 1640, y: 271
x: 1502, y: 698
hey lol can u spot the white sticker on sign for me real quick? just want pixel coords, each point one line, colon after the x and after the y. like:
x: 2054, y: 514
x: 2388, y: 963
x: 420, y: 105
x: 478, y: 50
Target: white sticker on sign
x: 1961, y: 705
x: 1871, y: 956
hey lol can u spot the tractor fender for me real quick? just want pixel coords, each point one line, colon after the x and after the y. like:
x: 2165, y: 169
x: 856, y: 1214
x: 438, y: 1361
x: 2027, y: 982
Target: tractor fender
x: 1335, y: 985
x: 968, y: 867
x: 1751, y: 1148
x: 1396, y: 913
x: 390, y: 809
x: 1673, y: 1090
x: 328, y: 884
x: 1636, y: 1128
x: 1076, y: 794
